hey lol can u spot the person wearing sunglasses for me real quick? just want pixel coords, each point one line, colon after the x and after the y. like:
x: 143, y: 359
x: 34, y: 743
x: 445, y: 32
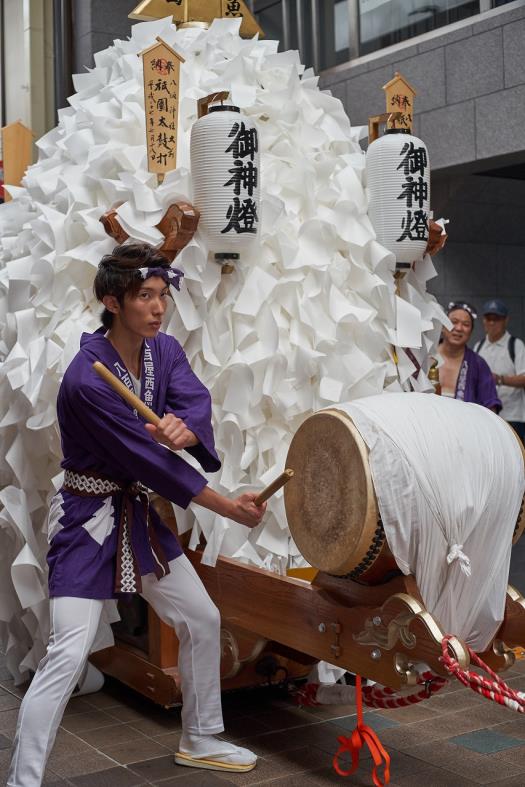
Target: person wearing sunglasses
x: 463, y: 374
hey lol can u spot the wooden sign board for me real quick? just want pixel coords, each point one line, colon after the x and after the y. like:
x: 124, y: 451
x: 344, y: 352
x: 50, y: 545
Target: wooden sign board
x: 161, y: 105
x: 17, y: 146
x: 198, y: 11
x: 400, y: 99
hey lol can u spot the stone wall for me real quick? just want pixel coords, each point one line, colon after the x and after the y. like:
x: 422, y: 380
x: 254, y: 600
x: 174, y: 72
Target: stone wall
x: 96, y: 24
x: 470, y: 111
x: 470, y: 80
x: 485, y: 254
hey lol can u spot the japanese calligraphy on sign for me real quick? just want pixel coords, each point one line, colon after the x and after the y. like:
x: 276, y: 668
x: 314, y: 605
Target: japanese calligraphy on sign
x: 242, y: 214
x: 400, y: 98
x: 231, y: 8
x: 161, y: 105
x: 414, y: 192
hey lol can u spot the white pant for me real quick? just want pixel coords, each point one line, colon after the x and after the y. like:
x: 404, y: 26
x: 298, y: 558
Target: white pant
x: 180, y: 600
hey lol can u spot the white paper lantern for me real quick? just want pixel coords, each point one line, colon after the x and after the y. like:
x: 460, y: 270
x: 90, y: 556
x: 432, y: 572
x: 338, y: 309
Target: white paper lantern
x: 398, y: 177
x: 226, y: 179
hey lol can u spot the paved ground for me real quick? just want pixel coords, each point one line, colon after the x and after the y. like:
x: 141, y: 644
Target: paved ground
x: 117, y: 739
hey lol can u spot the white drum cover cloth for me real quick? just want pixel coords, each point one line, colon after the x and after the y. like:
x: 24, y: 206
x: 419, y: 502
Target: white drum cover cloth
x: 449, y: 480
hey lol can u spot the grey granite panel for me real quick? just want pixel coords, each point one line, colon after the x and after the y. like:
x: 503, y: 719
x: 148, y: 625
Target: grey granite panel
x: 471, y: 269
x: 474, y: 66
x: 438, y: 285
x: 449, y: 134
x: 473, y: 222
x: 511, y: 269
x: 365, y: 96
x: 440, y: 190
x: 339, y: 91
x: 349, y: 71
x: 500, y: 123
x: 514, y: 53
x: 487, y: 190
x: 87, y: 46
x: 81, y: 17
x: 503, y: 16
x: 445, y: 37
x: 426, y: 73
x: 113, y: 17
x: 384, y: 56
x: 83, y: 53
x: 416, y: 125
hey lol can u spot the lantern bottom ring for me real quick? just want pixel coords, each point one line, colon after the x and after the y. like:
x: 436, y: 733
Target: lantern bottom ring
x: 227, y: 255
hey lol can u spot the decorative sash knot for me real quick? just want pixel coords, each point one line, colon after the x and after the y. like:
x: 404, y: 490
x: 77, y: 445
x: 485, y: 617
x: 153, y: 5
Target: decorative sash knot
x: 127, y: 574
x: 456, y: 553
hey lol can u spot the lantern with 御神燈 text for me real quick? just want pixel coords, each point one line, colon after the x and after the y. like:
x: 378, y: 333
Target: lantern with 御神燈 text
x: 398, y: 180
x: 226, y: 180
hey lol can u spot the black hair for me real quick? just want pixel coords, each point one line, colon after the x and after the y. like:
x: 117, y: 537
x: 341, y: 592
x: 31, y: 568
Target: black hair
x: 118, y: 273
x: 464, y: 306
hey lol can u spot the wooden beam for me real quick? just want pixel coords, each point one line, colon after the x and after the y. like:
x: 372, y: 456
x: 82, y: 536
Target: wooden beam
x: 379, y: 642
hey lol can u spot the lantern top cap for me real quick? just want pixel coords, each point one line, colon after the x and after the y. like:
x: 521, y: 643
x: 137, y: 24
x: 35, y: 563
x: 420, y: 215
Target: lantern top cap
x: 400, y: 79
x: 161, y: 42
x: 183, y: 11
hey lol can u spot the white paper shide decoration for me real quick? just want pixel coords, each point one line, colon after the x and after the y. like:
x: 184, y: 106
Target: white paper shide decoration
x: 306, y: 320
x: 226, y: 174
x: 398, y: 174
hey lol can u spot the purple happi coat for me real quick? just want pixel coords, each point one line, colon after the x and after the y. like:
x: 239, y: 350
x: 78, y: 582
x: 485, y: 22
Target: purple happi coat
x: 475, y: 382
x: 102, y: 434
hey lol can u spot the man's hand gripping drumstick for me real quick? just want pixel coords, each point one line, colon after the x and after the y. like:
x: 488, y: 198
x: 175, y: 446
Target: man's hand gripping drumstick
x: 247, y: 509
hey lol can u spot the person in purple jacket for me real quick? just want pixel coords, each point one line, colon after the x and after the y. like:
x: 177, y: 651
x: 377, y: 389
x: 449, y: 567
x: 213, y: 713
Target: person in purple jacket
x: 464, y: 374
x: 105, y: 539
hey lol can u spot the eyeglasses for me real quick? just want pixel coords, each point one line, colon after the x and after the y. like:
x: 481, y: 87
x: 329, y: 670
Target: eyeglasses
x: 465, y: 306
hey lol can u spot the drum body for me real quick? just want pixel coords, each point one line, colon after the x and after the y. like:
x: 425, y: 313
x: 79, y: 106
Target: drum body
x: 331, y: 505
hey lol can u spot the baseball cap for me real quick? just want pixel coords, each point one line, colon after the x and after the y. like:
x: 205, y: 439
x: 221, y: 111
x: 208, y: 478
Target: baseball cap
x: 496, y: 306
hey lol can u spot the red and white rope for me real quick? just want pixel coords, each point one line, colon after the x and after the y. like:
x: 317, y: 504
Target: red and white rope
x: 495, y: 689
x: 381, y: 697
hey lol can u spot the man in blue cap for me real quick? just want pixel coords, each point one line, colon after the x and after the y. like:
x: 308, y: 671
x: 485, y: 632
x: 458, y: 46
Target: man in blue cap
x: 505, y: 355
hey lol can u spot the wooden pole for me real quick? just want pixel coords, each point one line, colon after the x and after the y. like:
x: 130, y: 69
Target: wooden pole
x: 17, y: 146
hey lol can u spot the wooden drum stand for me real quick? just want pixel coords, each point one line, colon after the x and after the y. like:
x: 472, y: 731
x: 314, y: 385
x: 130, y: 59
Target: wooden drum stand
x: 276, y: 626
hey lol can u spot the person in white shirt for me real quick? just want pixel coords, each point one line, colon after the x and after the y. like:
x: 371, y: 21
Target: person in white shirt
x: 505, y: 354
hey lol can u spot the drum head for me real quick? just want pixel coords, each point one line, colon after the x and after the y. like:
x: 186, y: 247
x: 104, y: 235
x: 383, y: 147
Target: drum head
x: 330, y: 503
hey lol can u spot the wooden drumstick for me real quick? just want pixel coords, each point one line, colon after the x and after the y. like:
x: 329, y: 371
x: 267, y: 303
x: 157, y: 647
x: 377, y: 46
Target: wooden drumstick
x: 272, y: 488
x: 154, y: 419
x: 126, y: 394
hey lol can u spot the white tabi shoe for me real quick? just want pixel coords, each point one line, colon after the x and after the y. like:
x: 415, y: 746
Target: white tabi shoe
x: 90, y: 681
x: 214, y: 754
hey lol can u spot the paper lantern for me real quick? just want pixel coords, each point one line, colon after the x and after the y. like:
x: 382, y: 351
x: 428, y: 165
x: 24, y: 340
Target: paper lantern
x: 226, y: 179
x: 398, y: 178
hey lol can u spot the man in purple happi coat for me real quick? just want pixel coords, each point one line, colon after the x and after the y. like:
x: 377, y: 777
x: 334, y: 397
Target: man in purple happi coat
x: 105, y: 538
x: 464, y: 374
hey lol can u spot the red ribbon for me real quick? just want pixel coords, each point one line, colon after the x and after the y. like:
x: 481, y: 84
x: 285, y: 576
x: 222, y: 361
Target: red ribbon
x: 363, y: 734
